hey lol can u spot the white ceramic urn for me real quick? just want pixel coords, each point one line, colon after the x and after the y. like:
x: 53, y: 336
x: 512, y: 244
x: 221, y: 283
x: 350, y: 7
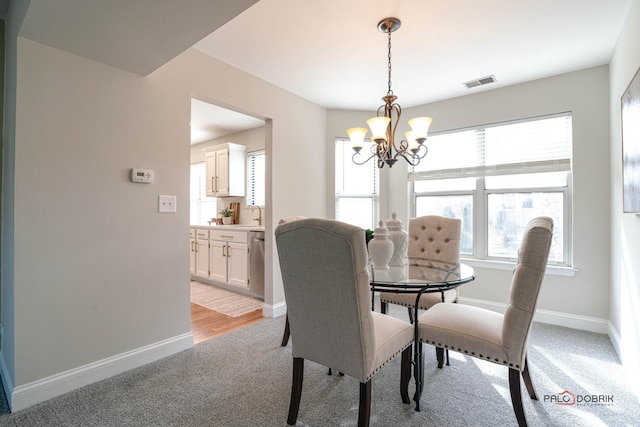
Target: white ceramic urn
x: 399, y: 238
x: 380, y: 248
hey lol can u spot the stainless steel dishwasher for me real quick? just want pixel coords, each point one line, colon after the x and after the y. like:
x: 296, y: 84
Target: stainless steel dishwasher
x: 256, y: 263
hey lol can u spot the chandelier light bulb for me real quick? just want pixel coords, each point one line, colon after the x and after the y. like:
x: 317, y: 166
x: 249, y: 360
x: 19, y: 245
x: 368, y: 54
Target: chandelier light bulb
x: 357, y: 135
x: 413, y: 144
x: 378, y: 126
x: 420, y: 127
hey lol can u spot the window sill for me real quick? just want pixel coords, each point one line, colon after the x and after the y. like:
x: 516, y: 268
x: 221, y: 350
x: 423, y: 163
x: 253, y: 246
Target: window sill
x: 554, y: 270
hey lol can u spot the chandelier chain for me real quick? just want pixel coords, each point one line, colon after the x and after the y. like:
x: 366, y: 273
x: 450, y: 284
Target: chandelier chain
x: 389, y: 92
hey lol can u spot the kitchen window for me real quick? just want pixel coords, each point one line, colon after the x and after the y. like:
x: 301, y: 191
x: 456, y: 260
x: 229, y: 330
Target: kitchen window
x: 495, y: 179
x: 201, y: 207
x: 256, y: 178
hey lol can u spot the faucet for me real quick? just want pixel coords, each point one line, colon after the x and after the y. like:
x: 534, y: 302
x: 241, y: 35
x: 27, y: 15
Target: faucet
x: 259, y: 219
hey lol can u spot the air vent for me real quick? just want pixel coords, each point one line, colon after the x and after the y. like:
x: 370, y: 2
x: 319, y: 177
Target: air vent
x: 480, y: 81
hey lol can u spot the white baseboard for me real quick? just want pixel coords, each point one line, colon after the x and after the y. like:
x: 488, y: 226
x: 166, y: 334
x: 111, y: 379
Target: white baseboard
x: 274, y: 310
x: 26, y: 395
x: 574, y: 321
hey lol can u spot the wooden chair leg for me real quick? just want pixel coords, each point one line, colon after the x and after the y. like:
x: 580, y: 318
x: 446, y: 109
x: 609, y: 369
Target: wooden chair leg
x: 516, y: 398
x: 287, y: 332
x: 527, y: 380
x: 296, y: 390
x: 440, y: 356
x: 383, y: 307
x: 410, y: 310
x: 405, y: 374
x: 364, y: 412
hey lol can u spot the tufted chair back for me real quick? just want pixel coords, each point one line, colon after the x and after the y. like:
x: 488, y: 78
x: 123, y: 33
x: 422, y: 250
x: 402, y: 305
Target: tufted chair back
x: 435, y: 238
x: 525, y: 287
x: 434, y: 241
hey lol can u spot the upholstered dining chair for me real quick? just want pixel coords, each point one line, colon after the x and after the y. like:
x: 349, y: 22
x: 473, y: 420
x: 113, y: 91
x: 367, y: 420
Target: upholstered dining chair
x: 494, y: 337
x: 287, y: 331
x: 432, y: 240
x: 326, y: 285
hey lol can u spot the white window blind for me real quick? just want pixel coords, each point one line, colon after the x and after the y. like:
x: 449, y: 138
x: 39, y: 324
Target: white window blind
x: 535, y: 145
x: 356, y: 187
x: 256, y: 178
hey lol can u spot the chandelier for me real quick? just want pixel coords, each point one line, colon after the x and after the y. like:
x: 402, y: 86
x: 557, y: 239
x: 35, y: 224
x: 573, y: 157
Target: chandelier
x: 383, y: 126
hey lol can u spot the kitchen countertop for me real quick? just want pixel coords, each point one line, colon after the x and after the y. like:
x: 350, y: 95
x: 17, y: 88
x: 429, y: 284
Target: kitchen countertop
x: 236, y: 227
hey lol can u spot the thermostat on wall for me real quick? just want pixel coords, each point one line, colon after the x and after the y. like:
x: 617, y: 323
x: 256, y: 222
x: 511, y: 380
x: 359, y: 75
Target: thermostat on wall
x: 142, y: 175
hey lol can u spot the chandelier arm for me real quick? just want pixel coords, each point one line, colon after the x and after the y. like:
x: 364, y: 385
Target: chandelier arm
x: 393, y: 126
x: 355, y: 155
x: 403, y: 146
x: 414, y: 158
x: 420, y: 147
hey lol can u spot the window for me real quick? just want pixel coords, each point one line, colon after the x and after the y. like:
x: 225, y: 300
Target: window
x: 495, y: 179
x: 256, y: 178
x: 202, y: 208
x: 356, y: 188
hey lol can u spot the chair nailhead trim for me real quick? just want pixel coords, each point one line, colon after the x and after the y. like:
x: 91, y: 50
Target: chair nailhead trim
x: 460, y: 350
x: 387, y: 361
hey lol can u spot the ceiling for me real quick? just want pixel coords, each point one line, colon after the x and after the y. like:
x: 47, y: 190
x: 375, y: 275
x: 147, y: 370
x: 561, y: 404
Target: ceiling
x: 210, y: 121
x: 330, y: 52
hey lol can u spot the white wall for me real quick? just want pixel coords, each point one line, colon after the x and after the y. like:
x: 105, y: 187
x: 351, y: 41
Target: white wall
x: 101, y: 279
x: 625, y: 228
x: 579, y: 301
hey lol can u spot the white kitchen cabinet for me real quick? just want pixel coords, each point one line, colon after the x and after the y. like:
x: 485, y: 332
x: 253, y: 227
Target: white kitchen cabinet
x: 218, y: 260
x: 201, y: 253
x: 225, y: 164
x: 229, y: 257
x: 192, y: 251
x: 237, y: 264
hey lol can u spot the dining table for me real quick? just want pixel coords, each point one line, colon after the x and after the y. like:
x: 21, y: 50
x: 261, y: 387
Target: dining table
x: 419, y: 276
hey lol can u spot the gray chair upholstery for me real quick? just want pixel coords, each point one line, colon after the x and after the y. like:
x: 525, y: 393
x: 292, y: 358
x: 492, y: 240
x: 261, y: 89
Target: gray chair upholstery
x: 494, y: 337
x: 327, y: 290
x: 435, y: 240
x: 287, y: 331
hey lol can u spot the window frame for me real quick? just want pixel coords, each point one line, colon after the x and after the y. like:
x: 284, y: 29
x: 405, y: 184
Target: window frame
x: 480, y: 206
x: 250, y: 192
x: 197, y: 217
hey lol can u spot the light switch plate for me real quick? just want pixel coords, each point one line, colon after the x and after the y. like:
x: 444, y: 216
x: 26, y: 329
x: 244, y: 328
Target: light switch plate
x: 166, y: 204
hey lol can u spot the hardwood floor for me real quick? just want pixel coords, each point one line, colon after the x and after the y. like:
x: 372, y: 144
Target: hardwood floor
x: 207, y: 324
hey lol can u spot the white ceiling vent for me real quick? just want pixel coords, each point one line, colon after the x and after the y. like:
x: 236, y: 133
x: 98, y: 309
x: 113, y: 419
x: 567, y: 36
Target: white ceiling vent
x: 480, y: 81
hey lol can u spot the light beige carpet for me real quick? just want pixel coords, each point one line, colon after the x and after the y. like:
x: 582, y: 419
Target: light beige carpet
x: 223, y: 301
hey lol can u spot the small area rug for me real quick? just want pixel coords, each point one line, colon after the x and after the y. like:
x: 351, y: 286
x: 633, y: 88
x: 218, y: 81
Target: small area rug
x: 223, y: 301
